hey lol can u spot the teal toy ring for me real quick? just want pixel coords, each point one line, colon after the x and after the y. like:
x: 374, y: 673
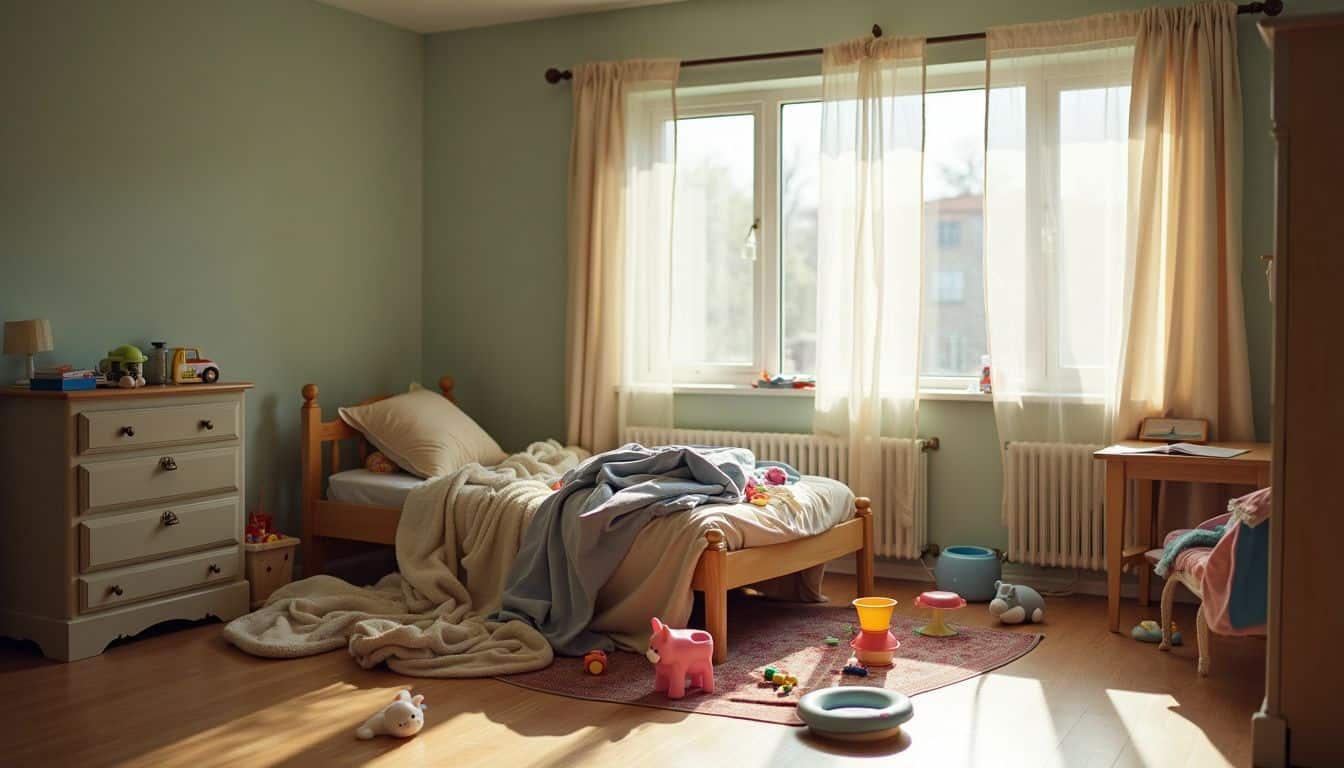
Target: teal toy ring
x: 855, y: 712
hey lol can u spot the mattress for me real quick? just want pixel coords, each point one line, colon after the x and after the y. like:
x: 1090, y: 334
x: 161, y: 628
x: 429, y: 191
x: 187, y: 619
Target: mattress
x: 378, y: 489
x: 814, y: 505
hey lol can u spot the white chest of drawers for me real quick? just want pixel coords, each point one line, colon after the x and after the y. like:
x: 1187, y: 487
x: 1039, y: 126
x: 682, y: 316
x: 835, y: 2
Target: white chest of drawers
x: 119, y: 509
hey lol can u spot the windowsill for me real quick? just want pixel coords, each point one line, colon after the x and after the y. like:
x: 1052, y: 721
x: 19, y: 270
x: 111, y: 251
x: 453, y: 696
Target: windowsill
x: 946, y: 395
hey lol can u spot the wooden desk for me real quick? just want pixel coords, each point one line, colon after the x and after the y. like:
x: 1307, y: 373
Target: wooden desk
x: 1251, y: 468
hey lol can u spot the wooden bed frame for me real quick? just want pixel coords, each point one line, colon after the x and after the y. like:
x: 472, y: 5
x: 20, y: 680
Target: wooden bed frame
x: 327, y: 524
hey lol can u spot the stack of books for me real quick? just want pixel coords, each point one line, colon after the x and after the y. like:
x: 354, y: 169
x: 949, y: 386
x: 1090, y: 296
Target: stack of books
x: 63, y: 378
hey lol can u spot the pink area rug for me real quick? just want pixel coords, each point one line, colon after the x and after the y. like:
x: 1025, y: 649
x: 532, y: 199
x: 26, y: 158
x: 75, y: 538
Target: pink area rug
x: 792, y: 637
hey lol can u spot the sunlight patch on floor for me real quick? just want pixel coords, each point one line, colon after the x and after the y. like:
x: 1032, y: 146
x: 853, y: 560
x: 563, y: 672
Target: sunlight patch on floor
x: 1157, y: 736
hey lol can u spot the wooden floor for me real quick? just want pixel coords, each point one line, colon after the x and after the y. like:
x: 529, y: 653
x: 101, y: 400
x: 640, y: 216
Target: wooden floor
x: 1084, y: 697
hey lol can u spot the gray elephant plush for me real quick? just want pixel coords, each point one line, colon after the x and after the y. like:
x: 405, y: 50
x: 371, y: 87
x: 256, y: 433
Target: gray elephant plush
x: 1016, y: 604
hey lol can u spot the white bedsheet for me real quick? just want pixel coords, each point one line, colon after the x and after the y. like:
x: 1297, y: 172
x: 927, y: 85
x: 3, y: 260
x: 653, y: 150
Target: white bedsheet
x: 746, y: 525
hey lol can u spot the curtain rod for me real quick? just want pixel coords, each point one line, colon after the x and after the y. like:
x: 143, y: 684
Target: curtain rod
x: 554, y: 75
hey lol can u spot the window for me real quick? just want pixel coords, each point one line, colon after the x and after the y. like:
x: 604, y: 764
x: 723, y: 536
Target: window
x: 744, y: 244
x: 744, y: 241
x: 954, y: 161
x: 949, y: 287
x: 949, y: 234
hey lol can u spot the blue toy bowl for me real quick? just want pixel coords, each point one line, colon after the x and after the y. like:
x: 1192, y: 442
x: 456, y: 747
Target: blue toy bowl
x: 969, y: 571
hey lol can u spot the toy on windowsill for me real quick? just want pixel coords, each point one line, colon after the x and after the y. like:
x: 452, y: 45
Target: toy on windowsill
x: 680, y: 653
x: 1016, y: 604
x: 768, y: 381
x: 1149, y: 631
x: 595, y: 662
x: 403, y: 718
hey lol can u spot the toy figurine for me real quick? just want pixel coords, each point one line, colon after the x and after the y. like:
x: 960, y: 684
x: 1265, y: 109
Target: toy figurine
x: 123, y: 367
x: 678, y: 654
x: 1016, y: 604
x: 403, y: 718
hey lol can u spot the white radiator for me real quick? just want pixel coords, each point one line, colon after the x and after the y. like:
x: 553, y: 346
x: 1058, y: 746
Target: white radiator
x: 828, y: 457
x: 1054, y: 504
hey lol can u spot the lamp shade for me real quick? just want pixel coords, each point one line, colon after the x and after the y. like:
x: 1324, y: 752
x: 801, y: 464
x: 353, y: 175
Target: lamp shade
x: 27, y: 337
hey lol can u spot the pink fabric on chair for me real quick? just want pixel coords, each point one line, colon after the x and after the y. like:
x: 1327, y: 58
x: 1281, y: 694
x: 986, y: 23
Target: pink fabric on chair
x: 1193, y: 560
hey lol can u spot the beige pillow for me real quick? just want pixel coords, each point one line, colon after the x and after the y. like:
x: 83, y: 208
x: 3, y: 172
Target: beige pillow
x: 423, y: 433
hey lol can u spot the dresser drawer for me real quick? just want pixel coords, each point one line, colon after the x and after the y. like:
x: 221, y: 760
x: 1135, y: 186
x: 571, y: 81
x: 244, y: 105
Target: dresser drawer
x: 147, y: 427
x: 141, y: 582
x: 117, y: 539
x: 105, y: 485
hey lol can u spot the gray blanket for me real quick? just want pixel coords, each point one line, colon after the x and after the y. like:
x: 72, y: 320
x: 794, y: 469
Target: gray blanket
x: 581, y: 533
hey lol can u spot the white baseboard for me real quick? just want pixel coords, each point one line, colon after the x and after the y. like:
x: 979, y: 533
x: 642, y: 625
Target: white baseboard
x: 1078, y: 582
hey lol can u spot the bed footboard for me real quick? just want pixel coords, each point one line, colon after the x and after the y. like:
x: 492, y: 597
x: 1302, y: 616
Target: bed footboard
x: 720, y: 570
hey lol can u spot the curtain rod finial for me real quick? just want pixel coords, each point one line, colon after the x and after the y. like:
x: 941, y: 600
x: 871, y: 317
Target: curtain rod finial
x: 877, y: 31
x: 554, y: 75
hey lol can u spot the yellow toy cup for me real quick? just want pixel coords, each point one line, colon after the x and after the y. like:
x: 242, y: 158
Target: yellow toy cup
x: 874, y: 613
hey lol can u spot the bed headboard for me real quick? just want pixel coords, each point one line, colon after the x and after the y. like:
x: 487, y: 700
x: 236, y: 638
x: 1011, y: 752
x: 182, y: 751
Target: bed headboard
x: 317, y: 435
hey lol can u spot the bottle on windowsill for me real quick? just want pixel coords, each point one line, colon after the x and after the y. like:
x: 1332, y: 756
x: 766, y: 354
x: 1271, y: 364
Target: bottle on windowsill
x: 985, y: 384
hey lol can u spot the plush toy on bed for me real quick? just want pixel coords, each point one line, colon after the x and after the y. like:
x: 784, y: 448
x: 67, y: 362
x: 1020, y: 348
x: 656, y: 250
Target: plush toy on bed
x: 403, y: 718
x: 379, y: 463
x: 1016, y: 604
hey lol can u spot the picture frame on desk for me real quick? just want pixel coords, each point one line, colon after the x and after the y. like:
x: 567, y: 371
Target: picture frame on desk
x: 1166, y: 430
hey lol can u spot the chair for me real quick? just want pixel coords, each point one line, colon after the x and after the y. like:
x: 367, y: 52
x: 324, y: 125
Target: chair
x: 1229, y: 578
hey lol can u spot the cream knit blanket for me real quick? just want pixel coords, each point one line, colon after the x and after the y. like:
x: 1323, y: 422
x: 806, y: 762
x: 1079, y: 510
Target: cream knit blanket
x: 455, y: 540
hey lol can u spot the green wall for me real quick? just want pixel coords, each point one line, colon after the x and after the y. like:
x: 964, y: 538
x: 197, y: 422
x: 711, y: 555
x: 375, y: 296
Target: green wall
x: 496, y: 152
x: 242, y: 175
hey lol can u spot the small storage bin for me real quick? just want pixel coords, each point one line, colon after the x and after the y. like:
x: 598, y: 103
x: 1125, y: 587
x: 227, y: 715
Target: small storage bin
x: 969, y: 571
x: 270, y: 566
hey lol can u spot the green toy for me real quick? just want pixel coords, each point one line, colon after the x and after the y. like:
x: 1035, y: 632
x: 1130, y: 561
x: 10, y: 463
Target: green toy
x: 123, y: 366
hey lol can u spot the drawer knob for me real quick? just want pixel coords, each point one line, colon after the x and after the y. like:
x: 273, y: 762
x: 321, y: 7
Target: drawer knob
x: 169, y: 518
x: 128, y: 431
x: 214, y: 568
x: 207, y: 424
x: 115, y: 589
x: 168, y: 463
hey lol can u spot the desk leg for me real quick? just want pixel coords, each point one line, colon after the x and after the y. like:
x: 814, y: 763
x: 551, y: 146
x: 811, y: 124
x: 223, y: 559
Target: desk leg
x: 1115, y: 538
x: 1147, y: 523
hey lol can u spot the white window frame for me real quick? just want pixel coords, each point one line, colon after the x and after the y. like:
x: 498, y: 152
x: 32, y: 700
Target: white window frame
x: 961, y: 76
x: 764, y: 101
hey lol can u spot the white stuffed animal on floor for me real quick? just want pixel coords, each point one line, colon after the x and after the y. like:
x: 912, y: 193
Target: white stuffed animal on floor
x: 403, y: 718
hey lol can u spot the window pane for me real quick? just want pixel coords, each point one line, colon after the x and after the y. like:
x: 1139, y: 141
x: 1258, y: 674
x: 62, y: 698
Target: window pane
x: 714, y: 286
x: 1093, y: 153
x: 954, y: 298
x: 799, y: 163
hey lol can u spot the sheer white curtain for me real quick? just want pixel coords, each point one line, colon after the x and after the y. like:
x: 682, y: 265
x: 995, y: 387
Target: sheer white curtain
x: 1058, y: 261
x: 870, y: 254
x: 621, y: 173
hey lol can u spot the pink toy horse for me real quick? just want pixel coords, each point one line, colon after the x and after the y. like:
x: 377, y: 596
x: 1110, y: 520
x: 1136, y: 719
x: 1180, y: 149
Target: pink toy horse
x: 677, y: 653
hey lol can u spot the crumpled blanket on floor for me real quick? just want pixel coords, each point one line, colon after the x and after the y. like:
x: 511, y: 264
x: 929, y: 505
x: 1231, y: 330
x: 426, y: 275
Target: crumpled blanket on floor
x: 455, y: 541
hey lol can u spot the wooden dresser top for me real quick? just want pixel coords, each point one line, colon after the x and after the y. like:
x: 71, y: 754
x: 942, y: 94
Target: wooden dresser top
x: 151, y: 390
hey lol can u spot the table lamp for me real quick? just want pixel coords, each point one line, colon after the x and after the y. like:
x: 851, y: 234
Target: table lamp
x: 27, y: 337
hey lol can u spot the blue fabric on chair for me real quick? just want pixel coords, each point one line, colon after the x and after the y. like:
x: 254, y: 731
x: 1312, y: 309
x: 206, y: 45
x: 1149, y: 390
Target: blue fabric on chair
x: 1196, y: 537
x: 1250, y: 579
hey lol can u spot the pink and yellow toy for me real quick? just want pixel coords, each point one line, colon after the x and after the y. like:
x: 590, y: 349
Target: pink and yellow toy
x: 678, y: 654
x: 938, y: 602
x: 875, y: 643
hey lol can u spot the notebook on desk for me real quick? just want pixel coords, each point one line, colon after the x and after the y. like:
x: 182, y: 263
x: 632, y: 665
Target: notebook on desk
x: 1184, y: 449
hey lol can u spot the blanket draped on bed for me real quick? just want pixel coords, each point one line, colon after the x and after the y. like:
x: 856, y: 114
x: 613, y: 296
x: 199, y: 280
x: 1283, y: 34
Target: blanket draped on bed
x: 455, y: 540
x: 583, y: 531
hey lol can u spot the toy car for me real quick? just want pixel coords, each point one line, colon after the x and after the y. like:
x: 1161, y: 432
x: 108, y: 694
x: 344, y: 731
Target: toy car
x: 595, y: 662
x: 190, y: 368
